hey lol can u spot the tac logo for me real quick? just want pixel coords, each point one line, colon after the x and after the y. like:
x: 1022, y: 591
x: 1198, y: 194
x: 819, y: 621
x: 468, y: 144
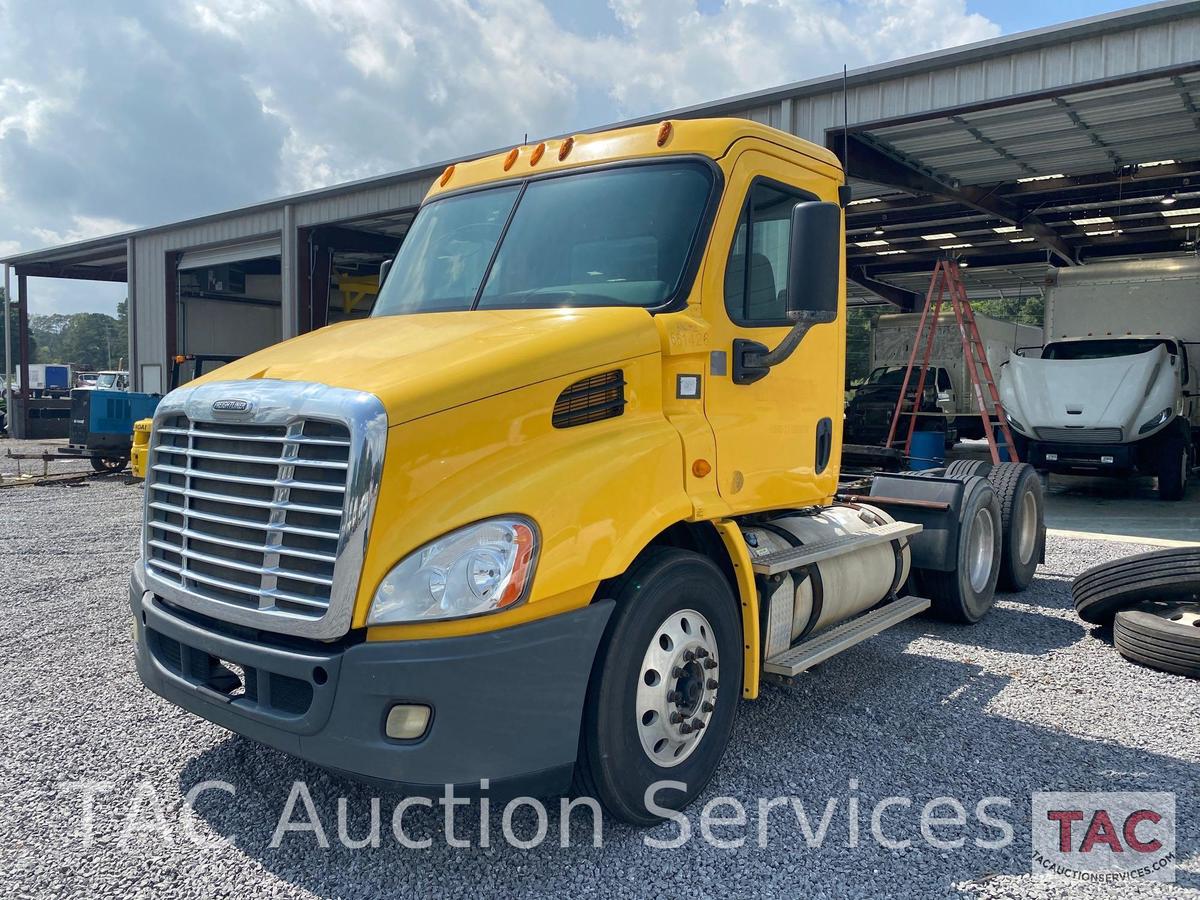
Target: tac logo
x: 231, y: 405
x: 1105, y: 837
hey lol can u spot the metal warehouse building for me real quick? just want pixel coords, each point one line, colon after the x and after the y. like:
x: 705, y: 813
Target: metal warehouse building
x: 1049, y: 148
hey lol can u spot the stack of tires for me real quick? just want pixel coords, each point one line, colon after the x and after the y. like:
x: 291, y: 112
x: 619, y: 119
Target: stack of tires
x: 1152, y: 602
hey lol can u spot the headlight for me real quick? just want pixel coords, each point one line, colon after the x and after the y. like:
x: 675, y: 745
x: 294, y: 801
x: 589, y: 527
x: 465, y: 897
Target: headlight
x: 481, y: 568
x: 1014, y: 424
x: 1156, y: 421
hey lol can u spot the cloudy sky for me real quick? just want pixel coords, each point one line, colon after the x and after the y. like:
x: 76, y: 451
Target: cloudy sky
x: 121, y: 114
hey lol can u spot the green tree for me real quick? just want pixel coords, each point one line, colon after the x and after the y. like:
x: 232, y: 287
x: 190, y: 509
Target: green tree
x: 859, y: 321
x: 120, y: 339
x: 48, y: 331
x: 1027, y: 309
x: 90, y: 341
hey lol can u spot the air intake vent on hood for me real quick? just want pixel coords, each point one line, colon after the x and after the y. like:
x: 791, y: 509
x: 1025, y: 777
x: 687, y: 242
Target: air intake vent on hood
x: 591, y: 400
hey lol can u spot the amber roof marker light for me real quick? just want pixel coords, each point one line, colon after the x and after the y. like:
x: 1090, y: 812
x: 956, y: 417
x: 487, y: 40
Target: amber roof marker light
x: 511, y: 158
x: 538, y: 151
x: 446, y: 176
x: 565, y: 148
x: 664, y: 132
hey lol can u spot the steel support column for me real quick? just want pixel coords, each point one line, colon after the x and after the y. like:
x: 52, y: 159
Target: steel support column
x: 322, y: 268
x: 8, y: 402
x: 135, y: 371
x: 304, y: 291
x: 290, y: 326
x: 171, y: 312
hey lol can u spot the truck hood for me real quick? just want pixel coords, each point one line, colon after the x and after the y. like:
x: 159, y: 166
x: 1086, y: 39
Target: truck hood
x: 420, y: 364
x: 1087, y: 393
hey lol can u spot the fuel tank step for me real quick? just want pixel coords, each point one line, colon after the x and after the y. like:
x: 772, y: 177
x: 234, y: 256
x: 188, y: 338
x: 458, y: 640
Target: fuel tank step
x: 841, y: 637
x: 795, y: 557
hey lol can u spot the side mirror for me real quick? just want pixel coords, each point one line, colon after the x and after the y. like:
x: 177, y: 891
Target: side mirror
x: 384, y: 268
x: 813, y: 280
x: 814, y: 261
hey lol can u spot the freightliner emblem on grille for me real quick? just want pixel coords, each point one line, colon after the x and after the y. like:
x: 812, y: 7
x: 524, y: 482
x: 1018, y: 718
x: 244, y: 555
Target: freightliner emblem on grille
x: 231, y: 405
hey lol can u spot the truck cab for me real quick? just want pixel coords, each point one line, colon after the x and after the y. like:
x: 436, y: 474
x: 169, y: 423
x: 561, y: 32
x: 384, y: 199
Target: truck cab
x: 565, y: 498
x: 1111, y: 404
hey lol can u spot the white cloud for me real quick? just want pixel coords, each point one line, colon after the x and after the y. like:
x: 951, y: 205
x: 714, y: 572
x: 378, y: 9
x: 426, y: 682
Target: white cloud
x: 25, y: 107
x: 81, y: 228
x: 384, y: 85
x: 109, y: 117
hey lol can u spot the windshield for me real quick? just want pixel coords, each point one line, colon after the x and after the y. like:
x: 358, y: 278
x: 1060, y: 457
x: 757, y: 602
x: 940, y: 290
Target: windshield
x: 1105, y: 348
x: 893, y: 376
x: 618, y: 237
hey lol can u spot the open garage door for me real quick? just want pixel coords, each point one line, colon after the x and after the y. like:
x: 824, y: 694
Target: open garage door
x: 229, y: 299
x: 340, y: 264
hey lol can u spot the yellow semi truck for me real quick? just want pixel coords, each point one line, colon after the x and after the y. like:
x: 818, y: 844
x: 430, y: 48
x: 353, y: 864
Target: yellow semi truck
x: 567, y: 497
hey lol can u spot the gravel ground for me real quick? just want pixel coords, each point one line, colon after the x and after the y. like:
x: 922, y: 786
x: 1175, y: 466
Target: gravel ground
x: 1029, y: 700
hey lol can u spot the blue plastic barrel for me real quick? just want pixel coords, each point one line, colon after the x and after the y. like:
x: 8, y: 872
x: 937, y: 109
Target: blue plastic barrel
x: 927, y: 451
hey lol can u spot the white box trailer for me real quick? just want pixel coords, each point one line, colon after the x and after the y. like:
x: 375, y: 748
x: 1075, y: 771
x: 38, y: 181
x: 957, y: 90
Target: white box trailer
x: 47, y: 379
x: 1117, y: 389
x: 892, y: 340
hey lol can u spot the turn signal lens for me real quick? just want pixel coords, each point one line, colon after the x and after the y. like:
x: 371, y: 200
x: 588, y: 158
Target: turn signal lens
x: 537, y: 154
x: 446, y: 176
x: 565, y: 147
x: 511, y: 158
x: 701, y: 468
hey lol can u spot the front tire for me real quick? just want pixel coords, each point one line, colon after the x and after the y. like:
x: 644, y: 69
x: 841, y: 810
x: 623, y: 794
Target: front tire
x: 1174, y: 466
x: 659, y: 709
x: 108, y: 465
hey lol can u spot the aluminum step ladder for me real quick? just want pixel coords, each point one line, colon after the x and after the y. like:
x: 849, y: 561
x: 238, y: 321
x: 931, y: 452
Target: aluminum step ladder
x: 947, y: 279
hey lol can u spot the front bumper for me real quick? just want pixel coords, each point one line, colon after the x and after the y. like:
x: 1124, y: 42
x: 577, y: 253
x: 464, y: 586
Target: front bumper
x: 870, y: 425
x: 1060, y: 457
x: 506, y: 704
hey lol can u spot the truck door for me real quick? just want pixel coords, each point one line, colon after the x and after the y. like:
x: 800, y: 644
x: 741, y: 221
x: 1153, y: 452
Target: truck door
x: 779, y: 438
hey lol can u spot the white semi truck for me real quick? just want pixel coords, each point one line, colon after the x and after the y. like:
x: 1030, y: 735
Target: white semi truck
x: 1117, y: 387
x: 869, y: 413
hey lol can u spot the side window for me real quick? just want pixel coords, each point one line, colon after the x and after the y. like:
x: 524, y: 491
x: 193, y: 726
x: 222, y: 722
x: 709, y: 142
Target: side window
x: 757, y: 269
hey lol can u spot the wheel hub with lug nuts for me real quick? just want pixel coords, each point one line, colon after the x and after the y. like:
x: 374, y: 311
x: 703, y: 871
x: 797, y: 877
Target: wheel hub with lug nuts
x: 677, y: 687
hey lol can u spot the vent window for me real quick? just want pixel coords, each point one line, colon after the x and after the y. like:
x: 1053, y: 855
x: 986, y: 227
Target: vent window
x: 591, y: 400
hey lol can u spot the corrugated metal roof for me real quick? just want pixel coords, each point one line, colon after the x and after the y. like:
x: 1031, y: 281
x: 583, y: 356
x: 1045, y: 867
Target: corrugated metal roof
x: 1075, y: 134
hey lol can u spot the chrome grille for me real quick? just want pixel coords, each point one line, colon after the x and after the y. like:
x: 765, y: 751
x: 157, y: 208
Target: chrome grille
x: 249, y: 514
x: 259, y: 496
x: 1081, y: 435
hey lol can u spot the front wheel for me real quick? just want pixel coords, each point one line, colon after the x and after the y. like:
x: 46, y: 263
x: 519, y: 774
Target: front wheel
x: 1174, y: 466
x: 108, y: 465
x: 664, y: 688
